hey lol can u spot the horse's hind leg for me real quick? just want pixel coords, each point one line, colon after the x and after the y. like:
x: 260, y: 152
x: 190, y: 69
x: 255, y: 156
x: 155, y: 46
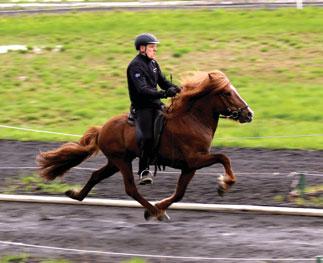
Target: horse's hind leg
x: 131, y: 189
x: 96, y: 177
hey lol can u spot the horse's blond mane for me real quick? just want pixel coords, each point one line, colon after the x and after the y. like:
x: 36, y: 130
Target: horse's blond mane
x: 195, y: 85
x: 193, y: 79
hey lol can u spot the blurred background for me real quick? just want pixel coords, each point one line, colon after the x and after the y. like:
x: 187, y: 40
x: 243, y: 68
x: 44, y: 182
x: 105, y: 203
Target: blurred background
x: 69, y: 71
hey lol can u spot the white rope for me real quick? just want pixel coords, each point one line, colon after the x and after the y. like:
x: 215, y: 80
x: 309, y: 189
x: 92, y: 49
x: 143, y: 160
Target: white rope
x: 272, y: 136
x: 219, y: 138
x: 39, y: 131
x: 309, y: 173
x: 110, y: 253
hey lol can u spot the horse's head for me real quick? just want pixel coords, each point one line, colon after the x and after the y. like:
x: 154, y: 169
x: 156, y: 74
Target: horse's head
x: 228, y: 102
x: 214, y: 92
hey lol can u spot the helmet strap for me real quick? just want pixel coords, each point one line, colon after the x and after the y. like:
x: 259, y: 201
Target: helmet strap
x: 143, y: 52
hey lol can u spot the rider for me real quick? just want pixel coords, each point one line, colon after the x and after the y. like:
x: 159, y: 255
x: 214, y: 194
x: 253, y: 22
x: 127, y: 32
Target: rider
x: 143, y: 74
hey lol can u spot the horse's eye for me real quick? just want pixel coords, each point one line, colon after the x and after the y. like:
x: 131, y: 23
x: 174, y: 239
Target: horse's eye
x: 226, y: 94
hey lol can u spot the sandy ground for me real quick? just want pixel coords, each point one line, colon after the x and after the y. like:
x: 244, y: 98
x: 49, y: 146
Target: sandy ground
x: 262, y: 175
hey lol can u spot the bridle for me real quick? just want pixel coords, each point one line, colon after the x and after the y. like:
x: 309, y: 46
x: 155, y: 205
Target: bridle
x: 233, y: 113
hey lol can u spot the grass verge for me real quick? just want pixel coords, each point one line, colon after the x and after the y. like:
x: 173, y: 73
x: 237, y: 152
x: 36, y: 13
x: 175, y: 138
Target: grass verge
x: 25, y: 258
x: 35, y: 184
x: 273, y: 57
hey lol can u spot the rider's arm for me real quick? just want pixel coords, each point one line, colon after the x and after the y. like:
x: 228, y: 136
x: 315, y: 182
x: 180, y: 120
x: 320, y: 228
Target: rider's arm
x: 164, y: 83
x: 141, y: 86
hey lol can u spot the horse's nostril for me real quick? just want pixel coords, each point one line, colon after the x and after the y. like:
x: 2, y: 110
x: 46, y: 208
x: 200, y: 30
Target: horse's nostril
x: 249, y: 114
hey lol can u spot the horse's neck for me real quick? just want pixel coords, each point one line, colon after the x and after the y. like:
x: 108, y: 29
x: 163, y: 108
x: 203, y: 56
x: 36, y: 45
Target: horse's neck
x: 194, y: 128
x: 204, y: 116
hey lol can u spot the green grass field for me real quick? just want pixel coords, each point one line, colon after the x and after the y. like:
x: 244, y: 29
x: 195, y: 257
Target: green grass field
x: 273, y: 57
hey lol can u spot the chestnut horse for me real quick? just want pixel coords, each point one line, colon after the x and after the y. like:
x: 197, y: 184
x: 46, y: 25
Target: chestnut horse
x: 191, y: 122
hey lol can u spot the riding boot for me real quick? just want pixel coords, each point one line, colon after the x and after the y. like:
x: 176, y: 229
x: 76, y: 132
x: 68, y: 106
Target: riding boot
x: 145, y: 139
x: 132, y: 115
x: 145, y: 175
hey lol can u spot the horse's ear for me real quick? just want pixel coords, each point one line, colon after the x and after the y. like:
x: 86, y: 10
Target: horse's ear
x: 210, y: 76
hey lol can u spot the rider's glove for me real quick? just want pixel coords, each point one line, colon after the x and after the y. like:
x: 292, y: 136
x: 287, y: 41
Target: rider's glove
x: 162, y: 94
x: 172, y: 91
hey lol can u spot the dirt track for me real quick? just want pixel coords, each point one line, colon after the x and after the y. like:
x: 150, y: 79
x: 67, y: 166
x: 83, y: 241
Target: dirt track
x: 189, y: 234
x: 262, y: 174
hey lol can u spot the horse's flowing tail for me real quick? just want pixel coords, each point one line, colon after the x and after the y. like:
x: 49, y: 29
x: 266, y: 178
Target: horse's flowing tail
x: 58, y: 161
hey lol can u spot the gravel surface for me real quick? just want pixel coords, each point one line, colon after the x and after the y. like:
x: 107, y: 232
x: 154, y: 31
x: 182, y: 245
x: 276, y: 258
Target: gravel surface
x: 262, y: 175
x: 96, y: 234
x: 91, y: 234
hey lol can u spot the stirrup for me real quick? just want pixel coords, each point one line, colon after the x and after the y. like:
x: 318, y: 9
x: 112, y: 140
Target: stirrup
x: 146, y: 177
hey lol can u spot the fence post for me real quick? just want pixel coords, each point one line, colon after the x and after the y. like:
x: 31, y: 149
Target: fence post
x: 301, y: 185
x: 299, y: 4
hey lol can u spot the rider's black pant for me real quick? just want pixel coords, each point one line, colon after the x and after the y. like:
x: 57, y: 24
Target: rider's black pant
x: 145, y: 135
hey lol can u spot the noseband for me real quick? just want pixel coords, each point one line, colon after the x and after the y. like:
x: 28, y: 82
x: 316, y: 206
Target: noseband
x: 233, y: 114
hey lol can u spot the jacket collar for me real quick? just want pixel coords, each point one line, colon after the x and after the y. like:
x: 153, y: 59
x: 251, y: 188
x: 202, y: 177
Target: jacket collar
x: 144, y: 57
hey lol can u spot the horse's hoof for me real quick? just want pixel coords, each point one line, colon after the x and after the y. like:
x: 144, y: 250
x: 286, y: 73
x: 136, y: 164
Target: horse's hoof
x: 73, y: 195
x: 161, y: 217
x: 147, y: 215
x: 69, y: 193
x: 221, y: 186
x: 220, y: 180
x: 164, y: 217
x: 220, y: 191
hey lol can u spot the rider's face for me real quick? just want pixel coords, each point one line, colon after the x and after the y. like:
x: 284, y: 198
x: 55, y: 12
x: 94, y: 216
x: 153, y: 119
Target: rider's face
x: 151, y: 50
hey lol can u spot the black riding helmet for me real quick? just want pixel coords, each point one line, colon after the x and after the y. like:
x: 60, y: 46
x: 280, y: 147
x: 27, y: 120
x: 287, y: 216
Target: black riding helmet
x: 145, y: 39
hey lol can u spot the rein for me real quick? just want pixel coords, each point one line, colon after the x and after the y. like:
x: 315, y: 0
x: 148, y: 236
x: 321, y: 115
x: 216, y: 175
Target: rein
x: 233, y: 113
x: 169, y: 108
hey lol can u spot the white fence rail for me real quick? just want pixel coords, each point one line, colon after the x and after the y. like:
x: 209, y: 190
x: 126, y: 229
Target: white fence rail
x: 176, y: 206
x: 218, y: 138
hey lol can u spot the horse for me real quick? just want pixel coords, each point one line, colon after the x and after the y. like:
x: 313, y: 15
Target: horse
x: 190, y: 124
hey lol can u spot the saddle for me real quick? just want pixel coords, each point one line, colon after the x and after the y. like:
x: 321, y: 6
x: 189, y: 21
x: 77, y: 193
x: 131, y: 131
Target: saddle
x: 159, y: 125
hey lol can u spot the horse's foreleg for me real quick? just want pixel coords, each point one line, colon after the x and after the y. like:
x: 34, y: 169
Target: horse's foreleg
x: 204, y: 160
x: 182, y: 183
x: 131, y: 189
x: 96, y: 177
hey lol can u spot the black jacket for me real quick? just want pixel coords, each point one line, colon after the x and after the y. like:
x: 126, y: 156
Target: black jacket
x: 143, y: 75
